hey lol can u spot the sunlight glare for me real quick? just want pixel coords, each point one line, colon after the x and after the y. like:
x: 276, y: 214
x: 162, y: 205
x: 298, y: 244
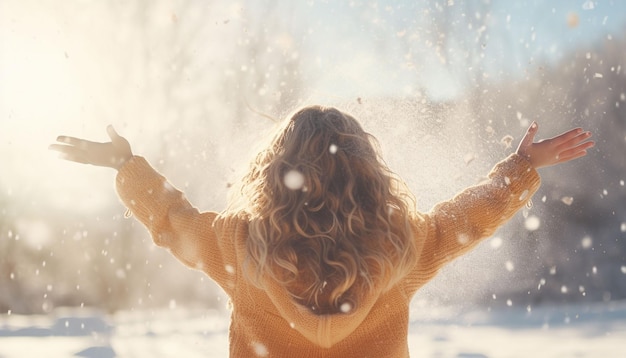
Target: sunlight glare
x: 42, y: 94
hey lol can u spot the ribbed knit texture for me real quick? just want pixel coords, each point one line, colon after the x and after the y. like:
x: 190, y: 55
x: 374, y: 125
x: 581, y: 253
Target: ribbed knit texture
x: 268, y: 323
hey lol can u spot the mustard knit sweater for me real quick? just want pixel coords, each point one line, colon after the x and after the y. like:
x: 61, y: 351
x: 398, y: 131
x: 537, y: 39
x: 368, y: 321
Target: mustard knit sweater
x: 268, y: 323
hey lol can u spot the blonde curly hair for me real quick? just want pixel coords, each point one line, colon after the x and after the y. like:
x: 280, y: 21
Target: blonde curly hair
x: 328, y: 219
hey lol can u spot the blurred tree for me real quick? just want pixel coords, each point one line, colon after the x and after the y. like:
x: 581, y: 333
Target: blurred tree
x: 579, y: 251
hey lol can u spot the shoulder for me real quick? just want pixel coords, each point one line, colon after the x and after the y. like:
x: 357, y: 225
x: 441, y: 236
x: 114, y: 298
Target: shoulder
x: 418, y: 222
x: 227, y: 222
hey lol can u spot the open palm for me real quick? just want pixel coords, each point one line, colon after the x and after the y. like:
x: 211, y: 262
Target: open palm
x: 109, y: 154
x: 560, y: 149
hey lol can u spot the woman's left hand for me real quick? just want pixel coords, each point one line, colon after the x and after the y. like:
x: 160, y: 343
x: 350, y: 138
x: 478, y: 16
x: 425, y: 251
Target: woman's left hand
x: 560, y: 149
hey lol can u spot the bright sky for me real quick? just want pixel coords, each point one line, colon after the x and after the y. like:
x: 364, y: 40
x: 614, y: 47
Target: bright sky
x: 58, y: 64
x: 43, y: 93
x: 521, y: 33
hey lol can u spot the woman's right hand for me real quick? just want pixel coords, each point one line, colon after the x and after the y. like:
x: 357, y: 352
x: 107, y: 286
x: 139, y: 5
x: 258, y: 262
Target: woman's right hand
x: 111, y: 154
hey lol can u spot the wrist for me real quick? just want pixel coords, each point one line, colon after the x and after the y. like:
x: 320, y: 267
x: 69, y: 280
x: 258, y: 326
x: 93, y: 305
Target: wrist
x: 119, y: 162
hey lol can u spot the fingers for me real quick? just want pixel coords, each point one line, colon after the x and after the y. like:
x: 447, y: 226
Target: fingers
x: 73, y: 149
x: 582, y: 147
x: 529, y: 137
x: 570, y: 155
x: 576, y: 141
x: 576, y: 151
x: 573, y: 140
x: 109, y: 154
x: 569, y: 135
x: 568, y: 140
x: 526, y: 143
x: 83, y: 142
x: 572, y: 133
x: 112, y: 133
x: 64, y: 149
x: 69, y: 152
x: 58, y: 147
x: 73, y: 141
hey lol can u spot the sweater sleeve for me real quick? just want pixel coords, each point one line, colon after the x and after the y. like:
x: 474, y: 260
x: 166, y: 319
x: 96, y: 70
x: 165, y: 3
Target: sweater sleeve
x: 192, y: 237
x: 454, y: 227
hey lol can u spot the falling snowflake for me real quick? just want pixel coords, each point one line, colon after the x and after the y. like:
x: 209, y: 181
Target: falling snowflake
x: 469, y: 157
x: 294, y: 180
x: 588, y: 5
x: 532, y: 223
x: 542, y: 282
x: 260, y: 349
x: 509, y: 266
x: 462, y: 239
x: 507, y: 141
x: 495, y: 243
x: 345, y: 307
x: 524, y: 195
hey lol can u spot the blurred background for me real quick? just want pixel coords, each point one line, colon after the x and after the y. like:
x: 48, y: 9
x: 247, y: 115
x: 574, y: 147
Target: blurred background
x: 447, y: 86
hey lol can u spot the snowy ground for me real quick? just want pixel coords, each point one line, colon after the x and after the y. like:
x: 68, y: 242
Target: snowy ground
x: 572, y: 331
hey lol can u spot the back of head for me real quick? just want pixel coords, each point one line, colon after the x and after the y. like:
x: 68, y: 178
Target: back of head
x: 329, y: 220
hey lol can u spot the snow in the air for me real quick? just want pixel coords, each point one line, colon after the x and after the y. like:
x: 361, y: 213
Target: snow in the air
x: 294, y: 180
x: 448, y: 87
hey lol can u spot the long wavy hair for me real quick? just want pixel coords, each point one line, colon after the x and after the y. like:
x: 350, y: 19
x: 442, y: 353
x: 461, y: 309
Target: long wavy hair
x: 328, y: 219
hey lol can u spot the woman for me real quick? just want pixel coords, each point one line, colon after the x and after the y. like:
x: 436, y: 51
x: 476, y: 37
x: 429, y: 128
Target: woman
x: 324, y: 249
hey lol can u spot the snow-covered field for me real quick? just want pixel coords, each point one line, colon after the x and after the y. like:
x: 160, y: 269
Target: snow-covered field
x: 560, y: 331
